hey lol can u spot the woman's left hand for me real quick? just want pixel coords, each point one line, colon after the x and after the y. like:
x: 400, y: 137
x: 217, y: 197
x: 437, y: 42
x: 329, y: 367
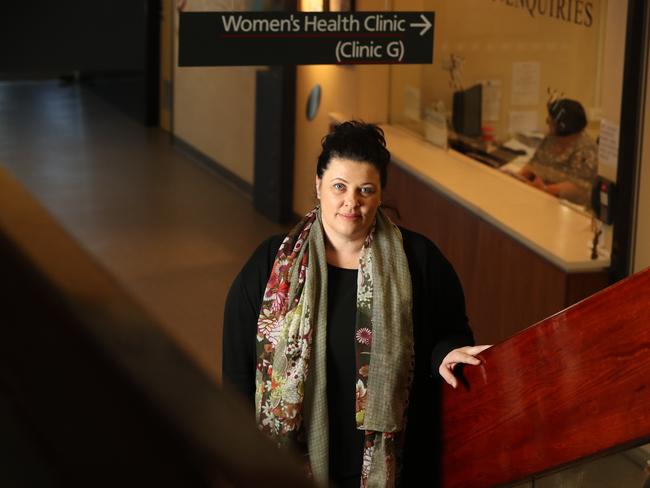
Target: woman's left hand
x: 463, y: 355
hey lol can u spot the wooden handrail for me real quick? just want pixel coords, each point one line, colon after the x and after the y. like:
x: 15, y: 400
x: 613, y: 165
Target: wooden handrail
x: 92, y: 392
x: 574, y: 386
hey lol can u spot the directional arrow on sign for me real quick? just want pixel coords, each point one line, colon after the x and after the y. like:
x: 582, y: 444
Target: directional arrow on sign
x: 426, y: 25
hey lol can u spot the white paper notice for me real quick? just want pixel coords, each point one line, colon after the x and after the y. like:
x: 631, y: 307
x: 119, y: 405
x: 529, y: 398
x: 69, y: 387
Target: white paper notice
x: 491, y: 100
x: 525, y: 83
x: 608, y: 144
x: 523, y: 121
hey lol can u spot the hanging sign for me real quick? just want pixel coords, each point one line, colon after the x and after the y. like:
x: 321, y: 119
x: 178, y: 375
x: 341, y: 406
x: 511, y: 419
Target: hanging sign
x: 272, y: 38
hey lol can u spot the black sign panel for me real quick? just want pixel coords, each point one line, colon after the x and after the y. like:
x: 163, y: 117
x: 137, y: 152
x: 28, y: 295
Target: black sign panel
x: 262, y: 38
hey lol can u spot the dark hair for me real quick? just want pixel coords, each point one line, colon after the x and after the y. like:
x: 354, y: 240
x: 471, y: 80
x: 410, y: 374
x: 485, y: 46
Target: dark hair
x: 357, y: 141
x: 567, y: 115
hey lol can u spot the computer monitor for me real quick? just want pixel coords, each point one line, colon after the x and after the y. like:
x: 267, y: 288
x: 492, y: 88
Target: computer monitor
x: 466, y: 116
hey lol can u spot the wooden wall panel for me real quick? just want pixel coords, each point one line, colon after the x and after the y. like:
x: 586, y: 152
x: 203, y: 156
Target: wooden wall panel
x: 581, y: 285
x: 507, y: 286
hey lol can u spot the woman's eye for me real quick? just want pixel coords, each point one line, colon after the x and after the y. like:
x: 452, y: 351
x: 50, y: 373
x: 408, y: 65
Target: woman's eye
x: 367, y: 190
x: 339, y: 186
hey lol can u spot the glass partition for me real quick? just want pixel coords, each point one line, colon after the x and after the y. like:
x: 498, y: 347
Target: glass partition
x: 524, y: 58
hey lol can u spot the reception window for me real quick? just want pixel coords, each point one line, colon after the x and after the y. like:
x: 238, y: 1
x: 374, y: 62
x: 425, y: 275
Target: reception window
x: 501, y: 73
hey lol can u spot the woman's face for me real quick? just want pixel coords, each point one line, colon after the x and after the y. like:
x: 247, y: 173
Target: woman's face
x: 349, y: 194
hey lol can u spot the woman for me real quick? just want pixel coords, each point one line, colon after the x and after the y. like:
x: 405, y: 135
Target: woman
x: 565, y: 164
x: 351, y: 316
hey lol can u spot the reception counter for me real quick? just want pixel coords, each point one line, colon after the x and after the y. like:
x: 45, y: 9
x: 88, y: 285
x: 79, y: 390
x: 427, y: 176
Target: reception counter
x: 521, y: 254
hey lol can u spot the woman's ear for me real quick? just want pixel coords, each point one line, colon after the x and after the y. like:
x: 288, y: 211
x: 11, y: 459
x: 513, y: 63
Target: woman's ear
x: 318, y: 181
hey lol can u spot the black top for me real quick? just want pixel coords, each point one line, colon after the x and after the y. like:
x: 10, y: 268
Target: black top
x: 439, y: 325
x: 346, y: 441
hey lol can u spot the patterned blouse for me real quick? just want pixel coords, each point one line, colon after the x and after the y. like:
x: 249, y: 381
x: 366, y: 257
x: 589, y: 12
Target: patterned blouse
x: 572, y: 158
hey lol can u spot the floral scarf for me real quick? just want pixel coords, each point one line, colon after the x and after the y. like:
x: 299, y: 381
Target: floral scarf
x: 290, y: 395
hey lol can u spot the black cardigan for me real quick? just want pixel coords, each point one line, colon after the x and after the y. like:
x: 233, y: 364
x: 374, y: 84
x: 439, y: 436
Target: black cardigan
x: 439, y: 325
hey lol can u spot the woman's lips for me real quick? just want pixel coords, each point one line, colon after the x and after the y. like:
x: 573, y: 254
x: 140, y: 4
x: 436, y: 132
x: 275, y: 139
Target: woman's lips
x: 349, y: 216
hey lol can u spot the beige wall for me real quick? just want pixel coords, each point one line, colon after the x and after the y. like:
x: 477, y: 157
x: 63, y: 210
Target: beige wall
x: 359, y: 92
x: 214, y: 108
x: 214, y: 111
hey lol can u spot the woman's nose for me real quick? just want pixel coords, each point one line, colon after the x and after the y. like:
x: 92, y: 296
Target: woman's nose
x: 351, y: 199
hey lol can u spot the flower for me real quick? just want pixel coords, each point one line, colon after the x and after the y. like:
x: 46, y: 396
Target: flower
x: 267, y: 328
x: 280, y: 297
x: 364, y: 336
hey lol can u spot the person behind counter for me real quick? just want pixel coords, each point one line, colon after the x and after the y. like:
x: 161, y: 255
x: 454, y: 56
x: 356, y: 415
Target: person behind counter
x: 335, y: 332
x: 565, y: 164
